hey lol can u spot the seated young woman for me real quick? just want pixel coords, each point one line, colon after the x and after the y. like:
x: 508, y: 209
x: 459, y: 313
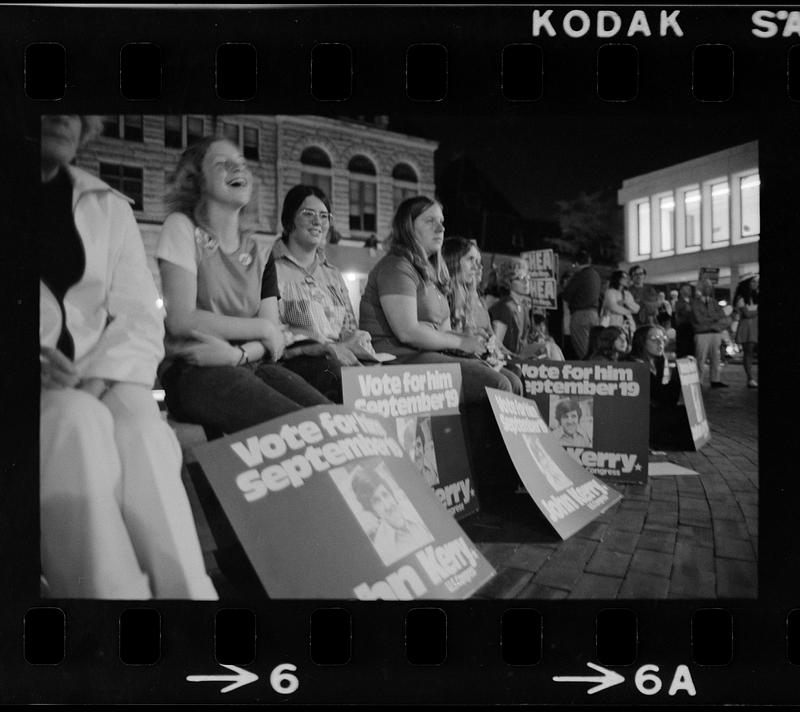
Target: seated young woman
x: 315, y: 304
x: 468, y: 315
x: 221, y: 297
x: 668, y: 422
x: 611, y: 344
x: 405, y: 309
x: 115, y: 519
x: 511, y: 316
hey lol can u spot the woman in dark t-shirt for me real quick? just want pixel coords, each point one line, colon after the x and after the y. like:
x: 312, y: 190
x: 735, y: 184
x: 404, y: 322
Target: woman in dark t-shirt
x: 405, y: 310
x: 404, y: 306
x: 221, y: 297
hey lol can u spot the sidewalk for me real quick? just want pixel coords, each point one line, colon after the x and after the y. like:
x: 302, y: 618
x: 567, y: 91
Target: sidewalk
x: 686, y: 536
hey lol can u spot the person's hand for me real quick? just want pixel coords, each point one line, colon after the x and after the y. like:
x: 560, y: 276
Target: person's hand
x: 360, y: 344
x: 343, y: 354
x: 94, y: 386
x: 57, y: 371
x: 209, y: 351
x: 473, y: 344
x: 274, y: 341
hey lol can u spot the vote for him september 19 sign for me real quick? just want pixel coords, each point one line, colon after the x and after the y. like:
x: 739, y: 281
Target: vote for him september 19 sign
x: 599, y: 412
x: 326, y: 504
x: 564, y: 491
x: 424, y: 401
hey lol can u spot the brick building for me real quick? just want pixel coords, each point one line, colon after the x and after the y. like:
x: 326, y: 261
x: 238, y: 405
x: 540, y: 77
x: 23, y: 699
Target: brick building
x: 365, y: 169
x: 701, y: 213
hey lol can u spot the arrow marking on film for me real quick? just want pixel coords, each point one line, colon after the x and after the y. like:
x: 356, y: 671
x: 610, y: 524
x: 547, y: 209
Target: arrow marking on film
x: 608, y: 678
x: 242, y: 677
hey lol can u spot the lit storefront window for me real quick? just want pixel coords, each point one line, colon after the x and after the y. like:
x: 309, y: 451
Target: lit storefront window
x: 749, y: 188
x: 720, y: 212
x: 643, y: 226
x: 666, y: 208
x: 692, y: 205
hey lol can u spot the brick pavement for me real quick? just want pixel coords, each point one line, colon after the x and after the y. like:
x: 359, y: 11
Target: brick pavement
x: 685, y: 536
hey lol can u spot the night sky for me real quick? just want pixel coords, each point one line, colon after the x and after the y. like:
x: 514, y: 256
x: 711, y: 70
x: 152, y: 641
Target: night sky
x: 536, y: 160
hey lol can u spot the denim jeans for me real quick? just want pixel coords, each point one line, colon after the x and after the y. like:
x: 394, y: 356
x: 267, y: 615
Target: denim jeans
x: 225, y: 399
x: 323, y: 372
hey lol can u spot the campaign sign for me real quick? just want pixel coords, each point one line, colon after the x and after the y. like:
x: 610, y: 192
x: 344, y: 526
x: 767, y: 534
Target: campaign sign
x: 693, y: 401
x: 423, y: 399
x: 598, y: 411
x: 544, y: 273
x: 711, y: 273
x: 326, y: 504
x: 565, y: 492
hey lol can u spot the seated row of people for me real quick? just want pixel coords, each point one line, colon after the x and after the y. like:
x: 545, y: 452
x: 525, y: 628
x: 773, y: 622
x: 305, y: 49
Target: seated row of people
x: 252, y: 333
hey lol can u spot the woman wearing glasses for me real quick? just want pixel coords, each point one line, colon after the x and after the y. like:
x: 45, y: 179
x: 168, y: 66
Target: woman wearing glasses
x: 669, y: 428
x: 221, y: 296
x: 315, y: 304
x: 405, y: 309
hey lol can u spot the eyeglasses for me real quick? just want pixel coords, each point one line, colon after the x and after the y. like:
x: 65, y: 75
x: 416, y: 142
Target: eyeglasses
x: 308, y: 215
x: 656, y: 338
x: 639, y: 273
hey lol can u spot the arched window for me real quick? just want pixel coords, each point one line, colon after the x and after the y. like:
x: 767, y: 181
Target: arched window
x: 363, y: 195
x: 316, y: 169
x: 405, y: 183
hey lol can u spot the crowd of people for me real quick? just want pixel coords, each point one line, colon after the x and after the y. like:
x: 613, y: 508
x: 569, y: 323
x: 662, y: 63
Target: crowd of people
x: 250, y: 332
x: 692, y: 320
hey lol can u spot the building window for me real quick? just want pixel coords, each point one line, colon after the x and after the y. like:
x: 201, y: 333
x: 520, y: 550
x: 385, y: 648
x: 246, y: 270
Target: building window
x: 126, y: 179
x: 133, y: 127
x: 194, y: 129
x: 129, y: 127
x: 316, y: 169
x: 641, y: 211
x: 363, y: 195
x: 250, y: 143
x: 405, y: 183
x: 720, y: 212
x: 749, y: 187
x: 183, y: 131
x: 666, y: 211
x: 173, y: 132
x: 231, y: 132
x: 692, y: 203
x: 111, y: 126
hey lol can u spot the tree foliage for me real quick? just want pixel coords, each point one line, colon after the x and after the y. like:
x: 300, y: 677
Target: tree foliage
x: 592, y: 221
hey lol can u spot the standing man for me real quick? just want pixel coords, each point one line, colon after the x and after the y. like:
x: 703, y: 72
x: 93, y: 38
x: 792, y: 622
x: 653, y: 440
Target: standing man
x: 644, y: 295
x: 709, y: 321
x: 582, y: 295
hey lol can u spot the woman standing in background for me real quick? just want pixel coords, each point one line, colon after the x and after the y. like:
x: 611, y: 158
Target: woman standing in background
x: 745, y: 301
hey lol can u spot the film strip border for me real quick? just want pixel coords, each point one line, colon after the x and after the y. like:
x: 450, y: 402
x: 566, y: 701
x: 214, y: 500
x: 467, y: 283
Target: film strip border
x: 711, y: 75
x: 335, y: 649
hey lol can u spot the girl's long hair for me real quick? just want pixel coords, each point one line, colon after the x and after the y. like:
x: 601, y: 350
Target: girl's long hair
x: 461, y: 293
x: 605, y: 342
x: 403, y: 242
x: 186, y: 192
x: 746, y: 291
x: 639, y: 341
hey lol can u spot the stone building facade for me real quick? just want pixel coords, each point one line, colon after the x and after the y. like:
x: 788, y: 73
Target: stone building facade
x: 364, y: 168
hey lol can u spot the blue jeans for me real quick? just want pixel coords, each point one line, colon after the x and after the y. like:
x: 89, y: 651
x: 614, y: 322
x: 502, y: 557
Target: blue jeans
x: 226, y: 399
